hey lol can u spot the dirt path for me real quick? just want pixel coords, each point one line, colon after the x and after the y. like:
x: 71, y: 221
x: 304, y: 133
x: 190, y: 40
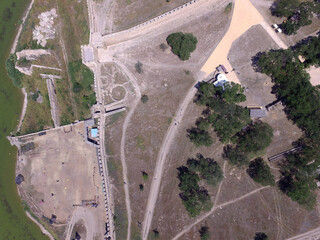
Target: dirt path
x: 24, y: 108
x: 123, y: 140
x: 53, y: 102
x: 220, y: 185
x: 43, y: 230
x: 81, y: 213
x: 158, y: 172
x: 66, y: 61
x: 244, y: 16
x: 170, y: 21
x: 15, y: 42
x: 187, y: 228
x: 313, y: 234
x: 314, y: 75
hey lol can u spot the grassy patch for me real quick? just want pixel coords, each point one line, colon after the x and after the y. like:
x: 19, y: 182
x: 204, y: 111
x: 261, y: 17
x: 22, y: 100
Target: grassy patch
x: 13, y: 73
x: 74, y: 15
x: 228, y: 8
x: 38, y: 115
x: 82, y: 78
x: 140, y: 143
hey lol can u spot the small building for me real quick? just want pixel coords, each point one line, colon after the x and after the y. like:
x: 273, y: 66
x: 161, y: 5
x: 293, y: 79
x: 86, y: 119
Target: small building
x: 221, y: 80
x: 94, y: 132
x: 257, y: 113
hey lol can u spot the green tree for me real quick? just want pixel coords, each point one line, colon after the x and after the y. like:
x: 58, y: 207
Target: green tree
x: 144, y: 98
x: 199, y: 137
x: 204, y: 233
x: 145, y: 175
x: 235, y: 156
x: 260, y: 236
x: 284, y: 8
x: 13, y: 73
x: 233, y: 93
x: 182, y: 44
x: 260, y: 172
x: 156, y: 233
x: 255, y: 138
x: 208, y: 169
x: 138, y: 67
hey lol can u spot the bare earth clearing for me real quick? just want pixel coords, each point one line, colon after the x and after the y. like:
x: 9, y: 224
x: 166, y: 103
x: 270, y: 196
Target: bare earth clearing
x: 54, y: 171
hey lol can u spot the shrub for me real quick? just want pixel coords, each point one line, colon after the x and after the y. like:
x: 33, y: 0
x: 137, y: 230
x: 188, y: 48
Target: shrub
x: 138, y: 66
x: 144, y: 98
x: 204, y: 233
x: 163, y: 46
x: 260, y: 236
x: 13, y: 73
x: 145, y: 175
x: 182, y: 44
x: 228, y: 8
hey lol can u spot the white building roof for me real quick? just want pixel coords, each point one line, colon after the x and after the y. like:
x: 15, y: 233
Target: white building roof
x: 221, y: 80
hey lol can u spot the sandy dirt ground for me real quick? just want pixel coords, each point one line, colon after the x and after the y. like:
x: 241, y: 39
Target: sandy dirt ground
x: 244, y: 16
x: 314, y: 75
x: 54, y: 171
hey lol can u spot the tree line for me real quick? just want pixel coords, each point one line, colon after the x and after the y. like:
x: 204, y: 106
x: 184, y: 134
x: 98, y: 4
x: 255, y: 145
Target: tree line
x: 302, y: 105
x: 245, y: 140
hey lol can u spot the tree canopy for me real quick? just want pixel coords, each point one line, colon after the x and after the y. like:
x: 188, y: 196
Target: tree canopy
x: 261, y: 236
x: 302, y: 105
x: 182, y: 44
x: 207, y: 168
x: 196, y: 198
x: 260, y: 172
x: 298, y: 14
x: 199, y: 137
x: 204, y: 233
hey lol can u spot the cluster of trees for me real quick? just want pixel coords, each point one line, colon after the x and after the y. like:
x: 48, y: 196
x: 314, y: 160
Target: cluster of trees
x: 82, y: 80
x: 310, y: 49
x: 222, y: 113
x: 249, y: 142
x: 13, y: 73
x: 302, y: 105
x: 204, y: 233
x: 297, y: 13
x: 196, y: 198
x: 260, y: 172
x: 231, y: 123
x: 182, y: 44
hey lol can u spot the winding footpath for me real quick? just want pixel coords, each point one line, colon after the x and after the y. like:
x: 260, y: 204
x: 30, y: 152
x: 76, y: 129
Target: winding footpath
x: 200, y: 219
x: 244, y: 16
x: 123, y: 140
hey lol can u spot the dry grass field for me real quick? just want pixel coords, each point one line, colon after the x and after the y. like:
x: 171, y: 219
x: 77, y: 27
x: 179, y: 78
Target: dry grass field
x: 128, y: 13
x: 165, y: 80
